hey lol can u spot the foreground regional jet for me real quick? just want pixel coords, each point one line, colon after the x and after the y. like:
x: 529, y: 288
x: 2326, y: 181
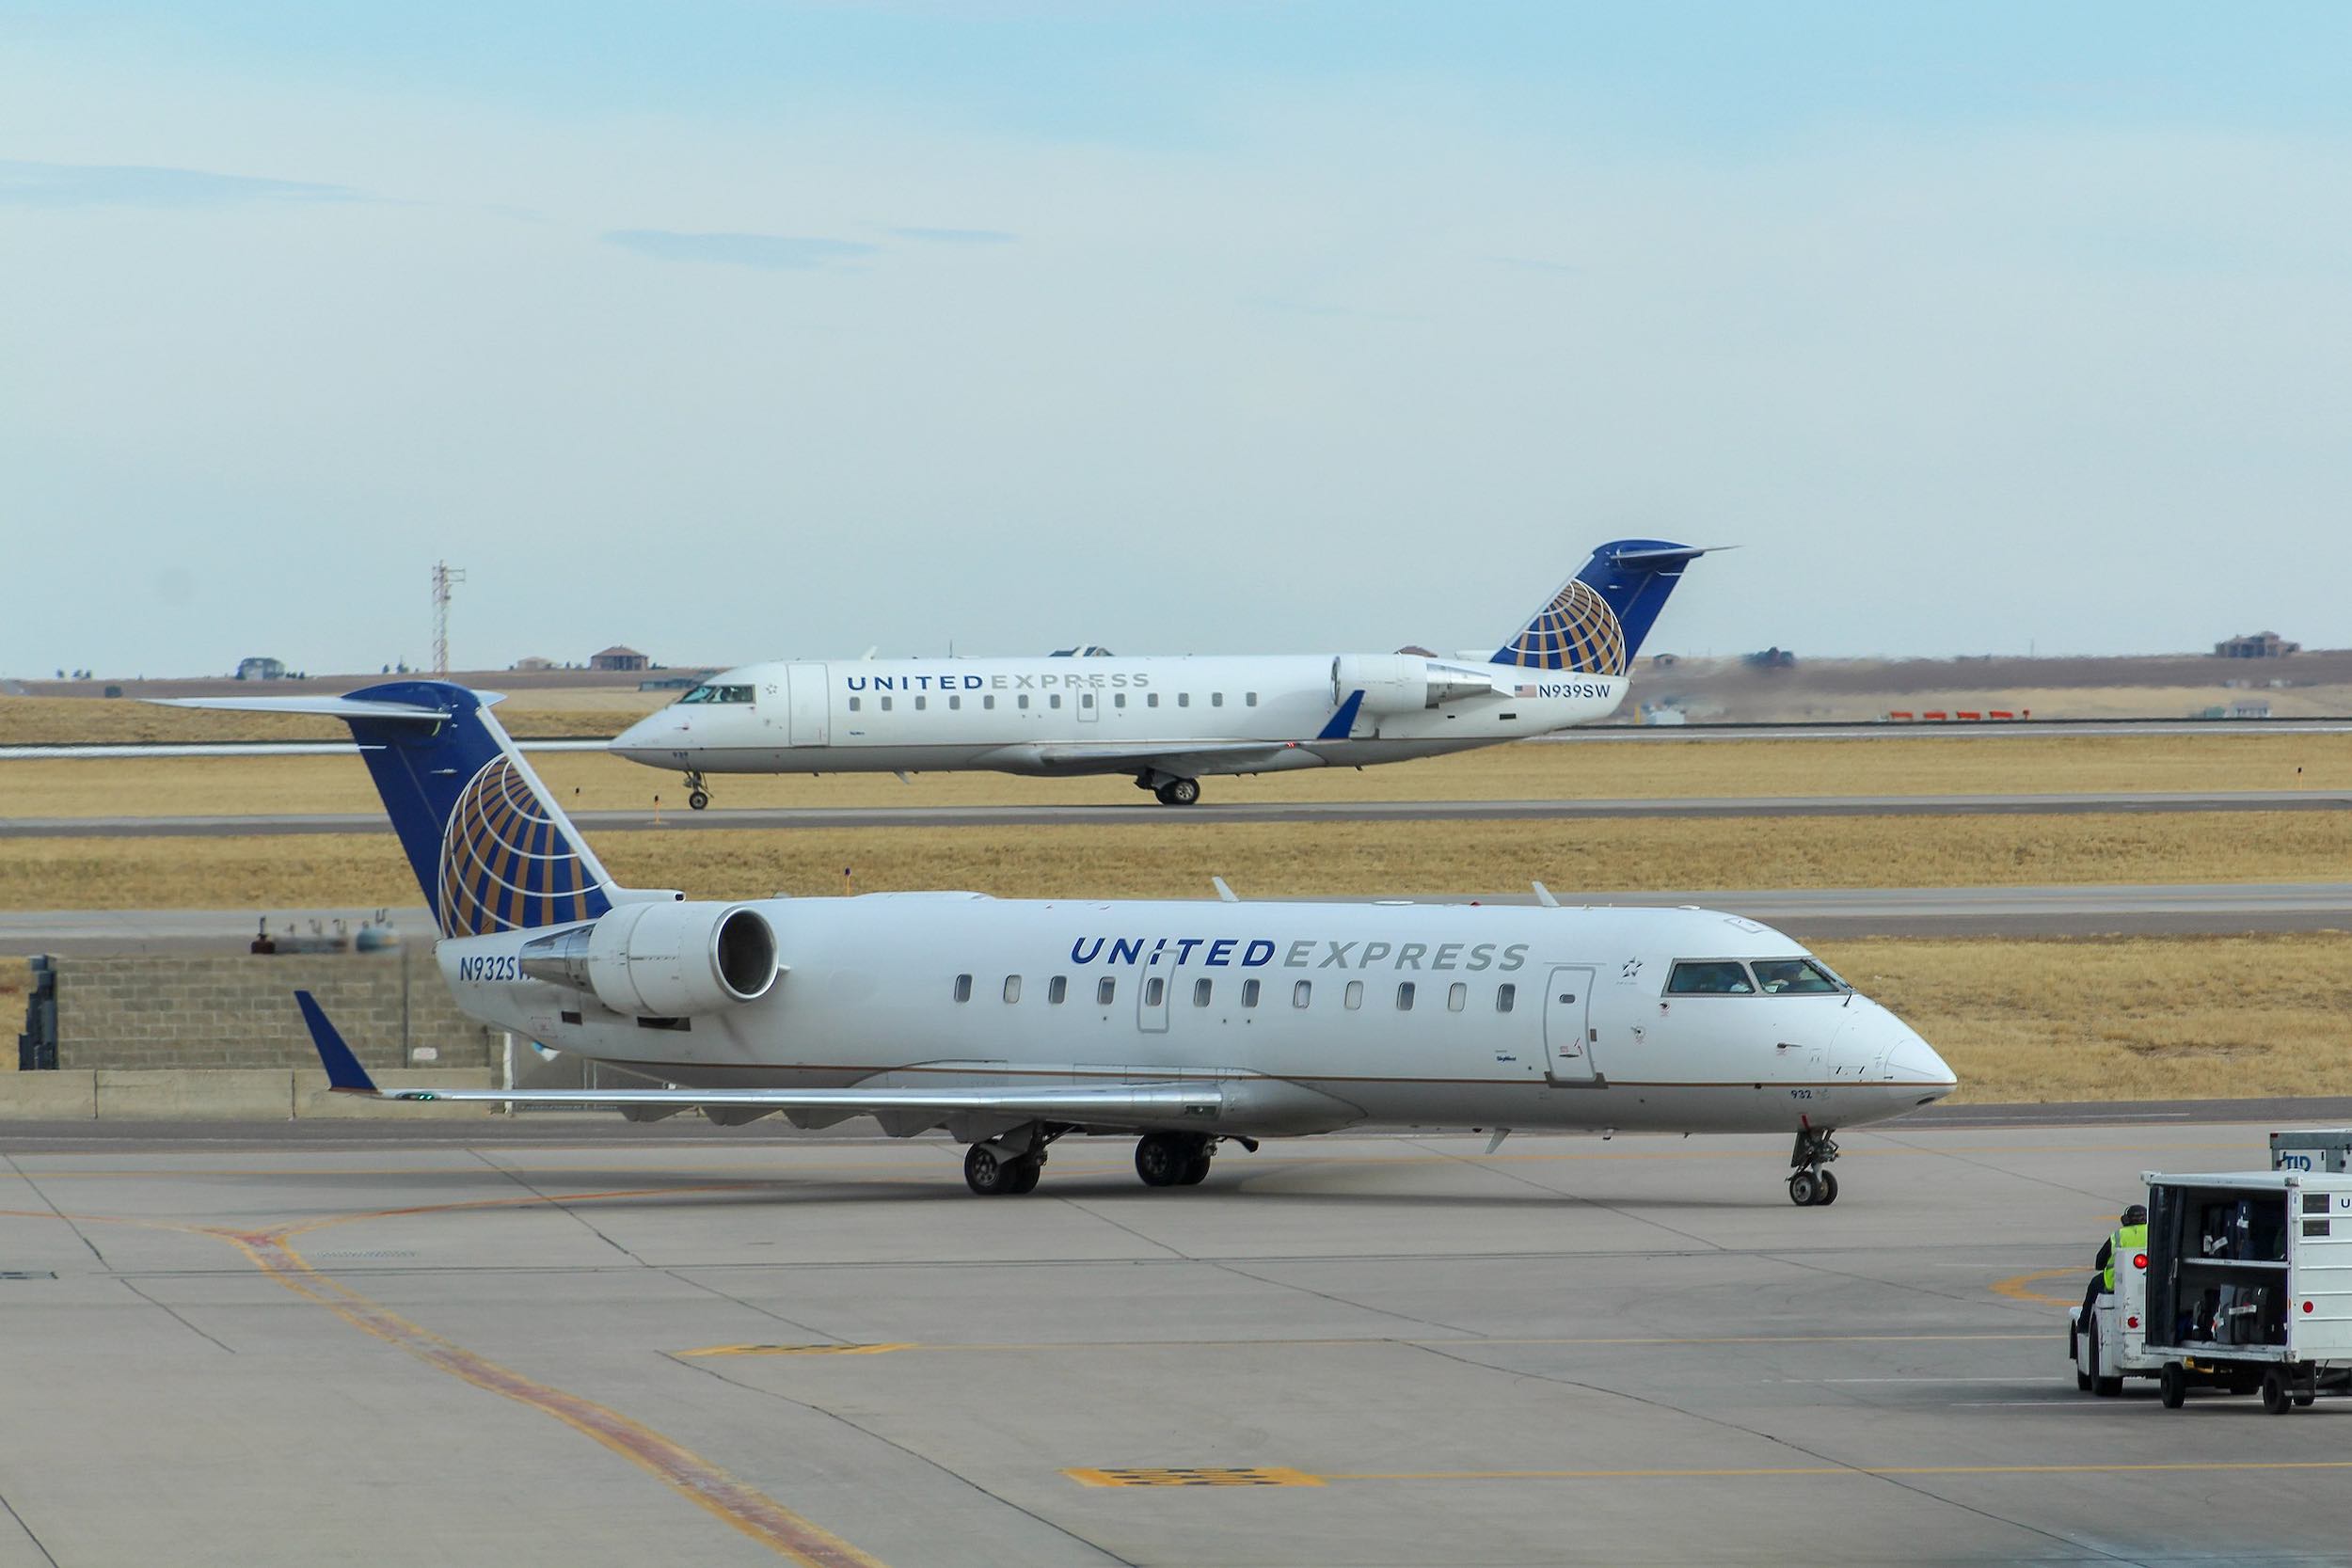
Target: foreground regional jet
x: 1185, y: 1025
x: 1166, y: 722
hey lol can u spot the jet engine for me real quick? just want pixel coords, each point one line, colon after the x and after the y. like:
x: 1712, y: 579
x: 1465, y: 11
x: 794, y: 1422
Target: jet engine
x: 1402, y: 683
x: 666, y: 959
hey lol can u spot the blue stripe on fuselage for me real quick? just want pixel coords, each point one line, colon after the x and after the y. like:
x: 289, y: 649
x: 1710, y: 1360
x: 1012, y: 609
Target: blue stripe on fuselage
x: 1345, y: 720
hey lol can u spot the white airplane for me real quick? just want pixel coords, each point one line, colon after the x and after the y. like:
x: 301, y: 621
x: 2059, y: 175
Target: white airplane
x: 1167, y: 721
x: 1186, y: 1025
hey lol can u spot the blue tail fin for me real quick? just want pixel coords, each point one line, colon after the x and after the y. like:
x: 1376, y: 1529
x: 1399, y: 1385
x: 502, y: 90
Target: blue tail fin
x: 492, y: 851
x: 1596, y: 622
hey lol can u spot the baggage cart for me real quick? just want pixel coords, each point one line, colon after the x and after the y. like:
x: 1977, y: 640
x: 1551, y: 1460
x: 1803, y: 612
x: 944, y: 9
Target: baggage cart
x: 2314, y: 1151
x: 2249, y: 1285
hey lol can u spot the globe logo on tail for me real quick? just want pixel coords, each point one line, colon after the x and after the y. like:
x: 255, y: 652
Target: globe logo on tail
x: 505, y: 862
x: 1575, y: 631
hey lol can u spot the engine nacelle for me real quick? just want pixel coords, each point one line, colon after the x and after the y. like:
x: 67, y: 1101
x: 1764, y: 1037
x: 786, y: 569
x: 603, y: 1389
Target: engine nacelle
x: 662, y: 960
x: 1400, y: 683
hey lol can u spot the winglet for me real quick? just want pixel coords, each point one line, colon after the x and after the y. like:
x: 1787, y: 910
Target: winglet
x: 344, y: 1075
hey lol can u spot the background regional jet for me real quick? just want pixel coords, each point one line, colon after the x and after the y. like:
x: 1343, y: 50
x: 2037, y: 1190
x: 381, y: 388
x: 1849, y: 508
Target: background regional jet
x: 1166, y: 722
x: 1229, y: 1022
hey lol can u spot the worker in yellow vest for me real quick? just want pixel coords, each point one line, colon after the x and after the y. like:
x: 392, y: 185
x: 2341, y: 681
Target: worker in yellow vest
x: 2129, y: 1240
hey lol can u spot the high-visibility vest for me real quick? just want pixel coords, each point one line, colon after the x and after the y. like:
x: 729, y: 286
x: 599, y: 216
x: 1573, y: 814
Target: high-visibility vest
x: 2128, y: 1240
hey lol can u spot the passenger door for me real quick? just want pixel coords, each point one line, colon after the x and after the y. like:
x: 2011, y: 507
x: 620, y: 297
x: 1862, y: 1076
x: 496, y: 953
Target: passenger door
x: 812, y: 706
x: 1152, y: 996
x: 1567, y: 1024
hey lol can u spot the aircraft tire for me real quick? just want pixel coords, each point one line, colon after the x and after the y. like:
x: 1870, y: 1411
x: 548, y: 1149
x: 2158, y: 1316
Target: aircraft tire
x: 1196, y: 1170
x: 1024, y: 1175
x: 987, y: 1172
x: 1161, y: 1159
x: 1805, y: 1189
x: 1178, y: 792
x: 1829, y: 1188
x: 697, y: 801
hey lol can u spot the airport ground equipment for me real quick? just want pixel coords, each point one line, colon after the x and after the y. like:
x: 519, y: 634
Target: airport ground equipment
x: 2110, y: 1343
x: 2314, y: 1151
x: 2246, y: 1287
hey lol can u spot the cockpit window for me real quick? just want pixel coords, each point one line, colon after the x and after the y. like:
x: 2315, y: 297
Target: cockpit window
x: 1709, y: 977
x: 718, y: 694
x: 1795, y: 977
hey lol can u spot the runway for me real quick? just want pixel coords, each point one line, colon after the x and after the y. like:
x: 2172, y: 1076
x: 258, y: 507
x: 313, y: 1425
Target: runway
x: 1807, y: 913
x: 1148, y: 814
x: 594, y: 1350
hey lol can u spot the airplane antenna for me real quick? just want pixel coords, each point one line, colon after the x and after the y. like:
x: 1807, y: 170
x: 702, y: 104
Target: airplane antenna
x: 1222, y: 891
x: 444, y: 576
x: 1543, y: 896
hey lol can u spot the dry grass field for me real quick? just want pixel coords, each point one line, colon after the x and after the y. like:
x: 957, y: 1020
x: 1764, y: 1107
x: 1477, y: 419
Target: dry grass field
x: 69, y: 720
x: 2122, y: 1018
x: 15, y: 978
x: 1651, y: 767
x: 1175, y: 859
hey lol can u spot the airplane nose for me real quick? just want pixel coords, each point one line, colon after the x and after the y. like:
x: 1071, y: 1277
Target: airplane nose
x: 1911, y: 1060
x: 646, y: 734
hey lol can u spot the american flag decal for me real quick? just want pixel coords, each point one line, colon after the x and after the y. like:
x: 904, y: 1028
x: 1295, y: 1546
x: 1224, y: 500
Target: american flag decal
x: 1524, y: 691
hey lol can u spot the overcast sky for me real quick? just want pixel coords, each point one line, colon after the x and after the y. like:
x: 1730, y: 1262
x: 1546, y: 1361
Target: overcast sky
x: 739, y: 330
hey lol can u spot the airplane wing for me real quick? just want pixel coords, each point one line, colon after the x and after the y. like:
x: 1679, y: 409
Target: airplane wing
x: 1215, y: 756
x: 1121, y: 1105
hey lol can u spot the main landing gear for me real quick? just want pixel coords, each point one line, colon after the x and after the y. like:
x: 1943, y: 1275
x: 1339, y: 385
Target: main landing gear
x: 697, y: 792
x: 1811, y: 1184
x: 994, y: 1170
x: 1169, y: 791
x: 1174, y: 1159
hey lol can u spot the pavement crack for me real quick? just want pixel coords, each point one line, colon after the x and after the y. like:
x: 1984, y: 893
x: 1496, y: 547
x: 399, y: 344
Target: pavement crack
x: 51, y: 1204
x: 557, y: 1204
x: 957, y: 1476
x: 171, y: 1312
x: 18, y: 1519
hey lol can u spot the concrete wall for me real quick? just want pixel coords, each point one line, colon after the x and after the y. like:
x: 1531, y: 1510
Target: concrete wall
x: 180, y: 1010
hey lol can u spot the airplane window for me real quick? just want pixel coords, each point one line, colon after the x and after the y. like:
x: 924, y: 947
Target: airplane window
x: 1250, y: 699
x: 988, y: 701
x: 921, y: 703
x: 718, y: 694
x: 1118, y: 699
x: 1504, y: 996
x: 1302, y: 993
x: 1217, y: 699
x: 1152, y: 700
x: 963, y: 988
x: 1404, y: 996
x: 1201, y: 991
x: 1456, y: 997
x: 1024, y: 699
x: 1250, y: 993
x: 1053, y: 701
x: 1105, y: 990
x: 1012, y: 987
x: 885, y: 705
x: 1183, y: 699
x: 1056, y: 990
x: 1352, y: 997
x: 954, y: 702
x: 1709, y: 977
x: 854, y: 704
x: 1086, y: 699
x: 1153, y: 989
x: 1795, y: 977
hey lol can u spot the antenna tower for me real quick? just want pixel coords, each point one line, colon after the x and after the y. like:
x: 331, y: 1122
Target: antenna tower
x: 444, y: 577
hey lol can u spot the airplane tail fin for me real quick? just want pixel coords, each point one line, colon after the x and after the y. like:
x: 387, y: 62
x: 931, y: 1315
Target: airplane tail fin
x: 489, y: 845
x: 1595, y: 623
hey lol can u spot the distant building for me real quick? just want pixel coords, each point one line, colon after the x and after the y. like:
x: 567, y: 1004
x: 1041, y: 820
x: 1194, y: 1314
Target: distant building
x: 1770, y: 658
x: 257, y: 669
x: 617, y: 657
x: 1664, y: 661
x: 533, y: 661
x: 2261, y: 644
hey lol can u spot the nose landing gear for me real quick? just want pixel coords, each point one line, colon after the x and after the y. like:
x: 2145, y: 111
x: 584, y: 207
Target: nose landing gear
x: 697, y: 792
x: 1811, y: 1185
